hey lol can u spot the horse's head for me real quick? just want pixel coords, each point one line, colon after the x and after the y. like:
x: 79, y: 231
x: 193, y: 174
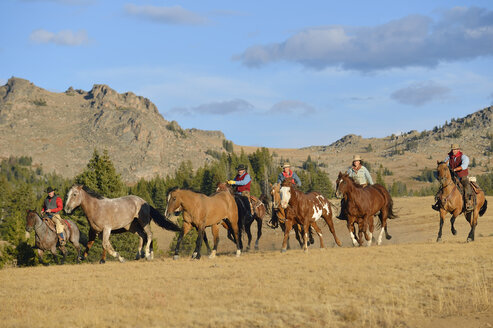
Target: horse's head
x: 275, y: 194
x: 174, y: 203
x: 343, y: 183
x: 285, y: 192
x: 443, y: 172
x: 222, y: 186
x: 74, y: 198
x: 31, y: 220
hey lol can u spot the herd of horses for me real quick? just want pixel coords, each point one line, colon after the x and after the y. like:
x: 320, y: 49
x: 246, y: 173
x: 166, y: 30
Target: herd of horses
x: 290, y: 209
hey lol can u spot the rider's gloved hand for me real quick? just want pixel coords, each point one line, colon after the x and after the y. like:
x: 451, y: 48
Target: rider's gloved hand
x: 231, y: 182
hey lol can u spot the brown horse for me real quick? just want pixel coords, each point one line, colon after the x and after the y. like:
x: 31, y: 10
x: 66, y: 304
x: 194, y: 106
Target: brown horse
x: 305, y: 209
x: 451, y: 201
x: 362, y: 203
x: 278, y: 217
x: 47, y: 239
x: 201, y: 211
x: 105, y: 215
x: 258, y: 214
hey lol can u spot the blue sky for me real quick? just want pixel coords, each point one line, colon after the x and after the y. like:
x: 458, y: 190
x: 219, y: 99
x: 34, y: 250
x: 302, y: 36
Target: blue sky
x: 266, y: 73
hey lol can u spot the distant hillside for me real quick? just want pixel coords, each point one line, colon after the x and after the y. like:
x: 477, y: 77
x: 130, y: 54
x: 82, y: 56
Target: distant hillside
x: 61, y: 130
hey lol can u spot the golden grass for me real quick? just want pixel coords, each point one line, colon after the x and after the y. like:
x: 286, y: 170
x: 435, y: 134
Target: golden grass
x: 395, y: 285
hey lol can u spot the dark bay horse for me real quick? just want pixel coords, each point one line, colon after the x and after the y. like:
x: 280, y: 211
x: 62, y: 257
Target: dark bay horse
x: 451, y: 201
x: 47, y: 239
x: 362, y: 203
x: 130, y: 213
x: 305, y: 209
x: 259, y: 211
x: 201, y: 211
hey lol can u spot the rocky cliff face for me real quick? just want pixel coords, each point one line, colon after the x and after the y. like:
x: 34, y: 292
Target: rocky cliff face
x: 61, y: 131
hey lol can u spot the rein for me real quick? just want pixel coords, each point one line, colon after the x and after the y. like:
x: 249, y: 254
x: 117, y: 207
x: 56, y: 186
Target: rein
x: 450, y: 194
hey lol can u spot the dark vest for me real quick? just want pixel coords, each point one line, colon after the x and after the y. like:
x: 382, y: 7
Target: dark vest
x: 245, y: 187
x: 50, y: 204
x: 456, y: 161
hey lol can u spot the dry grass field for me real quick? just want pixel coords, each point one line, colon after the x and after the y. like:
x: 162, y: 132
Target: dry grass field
x: 409, y: 281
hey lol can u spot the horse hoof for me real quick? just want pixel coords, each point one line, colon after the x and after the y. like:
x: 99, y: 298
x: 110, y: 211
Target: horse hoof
x: 389, y: 237
x: 439, y: 239
x: 213, y: 255
x: 238, y: 253
x: 256, y: 248
x: 283, y: 250
x: 176, y: 257
x: 102, y: 261
x: 194, y: 255
x: 121, y: 259
x: 454, y: 232
x: 469, y: 239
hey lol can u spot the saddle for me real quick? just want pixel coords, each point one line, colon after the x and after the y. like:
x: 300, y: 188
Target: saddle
x: 51, y: 224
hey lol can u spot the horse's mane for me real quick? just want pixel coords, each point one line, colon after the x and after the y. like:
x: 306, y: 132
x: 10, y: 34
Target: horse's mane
x: 91, y: 192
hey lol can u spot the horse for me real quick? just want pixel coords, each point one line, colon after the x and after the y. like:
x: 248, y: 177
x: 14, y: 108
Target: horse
x: 451, y: 201
x: 305, y: 209
x: 259, y: 211
x: 201, y: 211
x: 130, y: 213
x: 362, y: 203
x: 278, y: 217
x: 47, y: 239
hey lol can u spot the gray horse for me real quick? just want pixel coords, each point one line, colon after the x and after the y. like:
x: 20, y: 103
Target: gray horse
x: 47, y: 239
x: 130, y: 213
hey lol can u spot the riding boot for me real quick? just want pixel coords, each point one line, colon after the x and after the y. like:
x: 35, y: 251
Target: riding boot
x: 436, y: 206
x: 61, y: 239
x: 468, y: 195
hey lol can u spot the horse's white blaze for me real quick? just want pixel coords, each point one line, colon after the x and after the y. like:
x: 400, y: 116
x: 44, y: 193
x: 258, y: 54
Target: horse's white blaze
x: 285, y: 196
x: 355, y: 242
x: 379, y: 241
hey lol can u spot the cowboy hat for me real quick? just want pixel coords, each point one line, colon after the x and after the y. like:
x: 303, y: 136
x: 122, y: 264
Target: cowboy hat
x: 49, y: 189
x: 454, y: 146
x: 356, y: 158
x: 241, y: 167
x: 285, y: 165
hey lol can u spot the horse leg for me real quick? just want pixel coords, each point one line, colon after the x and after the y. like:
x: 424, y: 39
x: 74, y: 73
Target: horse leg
x: 319, y: 233
x: 148, y: 234
x: 139, y: 254
x: 474, y: 222
x: 299, y: 234
x: 452, y: 221
x: 306, y: 228
x: 107, y: 245
x: 259, y: 231
x: 185, y: 229
x: 198, y: 243
x: 215, y: 235
x: 206, y: 242
x: 54, y: 253
x: 350, y: 226
x: 234, y: 225
x: 249, y: 234
x: 74, y: 239
x: 40, y: 257
x: 64, y: 254
x: 90, y: 242
x: 369, y: 225
x: 330, y: 223
x: 288, y: 224
x: 442, y: 218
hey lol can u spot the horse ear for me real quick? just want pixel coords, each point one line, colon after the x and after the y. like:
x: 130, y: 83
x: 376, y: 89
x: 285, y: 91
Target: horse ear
x: 438, y: 162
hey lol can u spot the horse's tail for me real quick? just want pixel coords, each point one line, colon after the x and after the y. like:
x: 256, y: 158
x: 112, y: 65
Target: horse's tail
x: 483, y: 208
x: 162, y: 221
x: 390, y: 207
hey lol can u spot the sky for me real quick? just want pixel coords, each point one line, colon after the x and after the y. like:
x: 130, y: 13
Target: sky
x: 283, y: 74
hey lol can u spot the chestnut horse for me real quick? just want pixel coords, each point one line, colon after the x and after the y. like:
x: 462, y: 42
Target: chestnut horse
x: 201, y: 211
x: 362, y: 203
x: 47, y: 239
x: 278, y: 217
x: 305, y: 209
x: 451, y: 201
x: 258, y: 213
x: 130, y: 213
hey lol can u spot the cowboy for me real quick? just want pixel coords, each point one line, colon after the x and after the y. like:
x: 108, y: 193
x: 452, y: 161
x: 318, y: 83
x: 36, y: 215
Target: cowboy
x: 287, y: 173
x: 52, y: 205
x: 242, y: 182
x: 458, y: 163
x: 360, y: 175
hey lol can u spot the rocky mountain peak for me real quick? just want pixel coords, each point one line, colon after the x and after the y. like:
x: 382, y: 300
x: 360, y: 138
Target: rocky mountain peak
x: 17, y: 88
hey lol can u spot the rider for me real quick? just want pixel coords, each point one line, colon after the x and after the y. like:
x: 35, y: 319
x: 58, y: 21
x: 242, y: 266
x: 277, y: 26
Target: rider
x: 458, y: 163
x: 52, y: 205
x: 287, y: 173
x: 360, y: 175
x: 242, y: 182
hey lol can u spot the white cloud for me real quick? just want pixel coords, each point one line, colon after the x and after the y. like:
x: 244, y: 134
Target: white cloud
x: 64, y: 37
x: 412, y: 41
x: 166, y: 15
x: 418, y: 94
x: 214, y: 108
x: 292, y: 107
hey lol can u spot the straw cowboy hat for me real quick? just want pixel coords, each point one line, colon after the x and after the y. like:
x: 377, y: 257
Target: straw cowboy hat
x: 357, y: 158
x: 454, y: 146
x: 285, y: 165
